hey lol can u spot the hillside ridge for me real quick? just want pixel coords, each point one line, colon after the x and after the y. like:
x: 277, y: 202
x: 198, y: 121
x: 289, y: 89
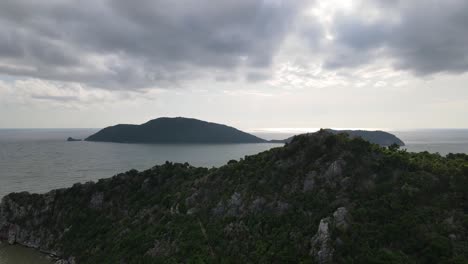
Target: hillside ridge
x: 322, y: 198
x: 379, y: 137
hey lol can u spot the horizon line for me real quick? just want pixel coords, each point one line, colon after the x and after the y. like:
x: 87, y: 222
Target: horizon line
x: 266, y: 130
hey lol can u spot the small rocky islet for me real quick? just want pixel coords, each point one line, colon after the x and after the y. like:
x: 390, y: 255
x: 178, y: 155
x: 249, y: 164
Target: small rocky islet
x: 70, y: 139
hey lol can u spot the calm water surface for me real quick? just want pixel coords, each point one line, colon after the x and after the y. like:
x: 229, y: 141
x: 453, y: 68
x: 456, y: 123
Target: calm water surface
x: 443, y: 141
x: 41, y: 160
x: 21, y: 255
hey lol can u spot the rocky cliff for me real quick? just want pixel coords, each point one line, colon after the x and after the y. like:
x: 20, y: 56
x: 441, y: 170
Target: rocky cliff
x: 322, y: 198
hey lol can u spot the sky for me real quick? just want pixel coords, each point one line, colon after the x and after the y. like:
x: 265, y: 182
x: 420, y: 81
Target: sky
x: 252, y: 64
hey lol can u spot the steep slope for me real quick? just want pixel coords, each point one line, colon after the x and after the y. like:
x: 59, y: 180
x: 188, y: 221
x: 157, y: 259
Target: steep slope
x: 381, y: 138
x: 322, y: 198
x: 174, y: 130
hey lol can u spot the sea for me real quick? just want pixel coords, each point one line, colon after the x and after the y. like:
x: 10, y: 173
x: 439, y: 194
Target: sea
x: 39, y: 160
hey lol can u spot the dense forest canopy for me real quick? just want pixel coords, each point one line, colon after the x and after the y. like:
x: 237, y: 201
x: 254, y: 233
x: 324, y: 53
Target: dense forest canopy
x: 322, y: 198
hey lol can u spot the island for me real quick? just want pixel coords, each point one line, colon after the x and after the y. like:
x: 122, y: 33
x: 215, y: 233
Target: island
x: 70, y: 139
x: 174, y: 130
x: 190, y: 130
x: 322, y: 198
x: 378, y: 137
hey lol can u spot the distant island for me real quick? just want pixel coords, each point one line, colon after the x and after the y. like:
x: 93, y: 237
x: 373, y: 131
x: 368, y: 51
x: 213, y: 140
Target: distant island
x: 190, y: 130
x: 381, y: 138
x: 70, y: 139
x: 174, y: 130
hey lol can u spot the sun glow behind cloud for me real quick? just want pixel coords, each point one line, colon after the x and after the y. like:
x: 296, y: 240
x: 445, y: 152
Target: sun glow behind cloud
x: 248, y: 63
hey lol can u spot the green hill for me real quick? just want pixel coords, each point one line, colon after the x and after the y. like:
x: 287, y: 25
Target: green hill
x: 381, y: 138
x: 174, y: 130
x: 322, y: 198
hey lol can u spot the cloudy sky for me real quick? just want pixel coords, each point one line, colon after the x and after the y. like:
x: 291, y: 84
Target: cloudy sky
x: 253, y: 64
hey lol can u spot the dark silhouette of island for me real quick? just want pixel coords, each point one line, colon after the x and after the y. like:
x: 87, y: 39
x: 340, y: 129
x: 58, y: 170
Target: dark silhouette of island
x: 174, y: 130
x: 189, y: 130
x: 377, y: 137
x: 70, y: 139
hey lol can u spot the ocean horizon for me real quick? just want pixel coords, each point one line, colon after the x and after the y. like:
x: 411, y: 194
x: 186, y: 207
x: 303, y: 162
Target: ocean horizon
x: 39, y: 160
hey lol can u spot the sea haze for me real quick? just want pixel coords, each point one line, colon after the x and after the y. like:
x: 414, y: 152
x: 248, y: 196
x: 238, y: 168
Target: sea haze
x: 39, y: 160
x: 442, y: 141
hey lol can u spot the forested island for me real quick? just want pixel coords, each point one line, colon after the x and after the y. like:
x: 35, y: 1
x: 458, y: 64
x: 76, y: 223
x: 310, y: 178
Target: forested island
x: 381, y: 138
x: 190, y: 130
x: 174, y: 130
x: 322, y: 198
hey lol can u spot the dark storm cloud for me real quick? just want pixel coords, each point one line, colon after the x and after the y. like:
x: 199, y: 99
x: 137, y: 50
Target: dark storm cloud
x: 421, y: 36
x: 133, y: 44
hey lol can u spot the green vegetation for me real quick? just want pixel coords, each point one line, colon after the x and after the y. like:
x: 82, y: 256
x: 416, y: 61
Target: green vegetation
x: 378, y: 137
x: 174, y: 130
x: 381, y: 205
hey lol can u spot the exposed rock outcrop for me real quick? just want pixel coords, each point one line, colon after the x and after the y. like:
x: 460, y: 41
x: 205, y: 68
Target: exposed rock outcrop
x: 24, y: 223
x: 322, y: 244
x: 70, y: 260
x: 322, y: 248
x: 341, y: 219
x: 309, y: 182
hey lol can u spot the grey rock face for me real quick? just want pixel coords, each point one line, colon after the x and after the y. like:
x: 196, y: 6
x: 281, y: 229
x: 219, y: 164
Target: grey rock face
x: 22, y: 224
x: 322, y: 245
x: 258, y: 204
x: 192, y: 199
x: 12, y: 231
x: 234, y: 204
x: 236, y: 200
x: 192, y: 211
x: 341, y: 218
x: 322, y: 249
x: 309, y: 182
x: 219, y: 209
x: 70, y: 260
x: 334, y: 170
